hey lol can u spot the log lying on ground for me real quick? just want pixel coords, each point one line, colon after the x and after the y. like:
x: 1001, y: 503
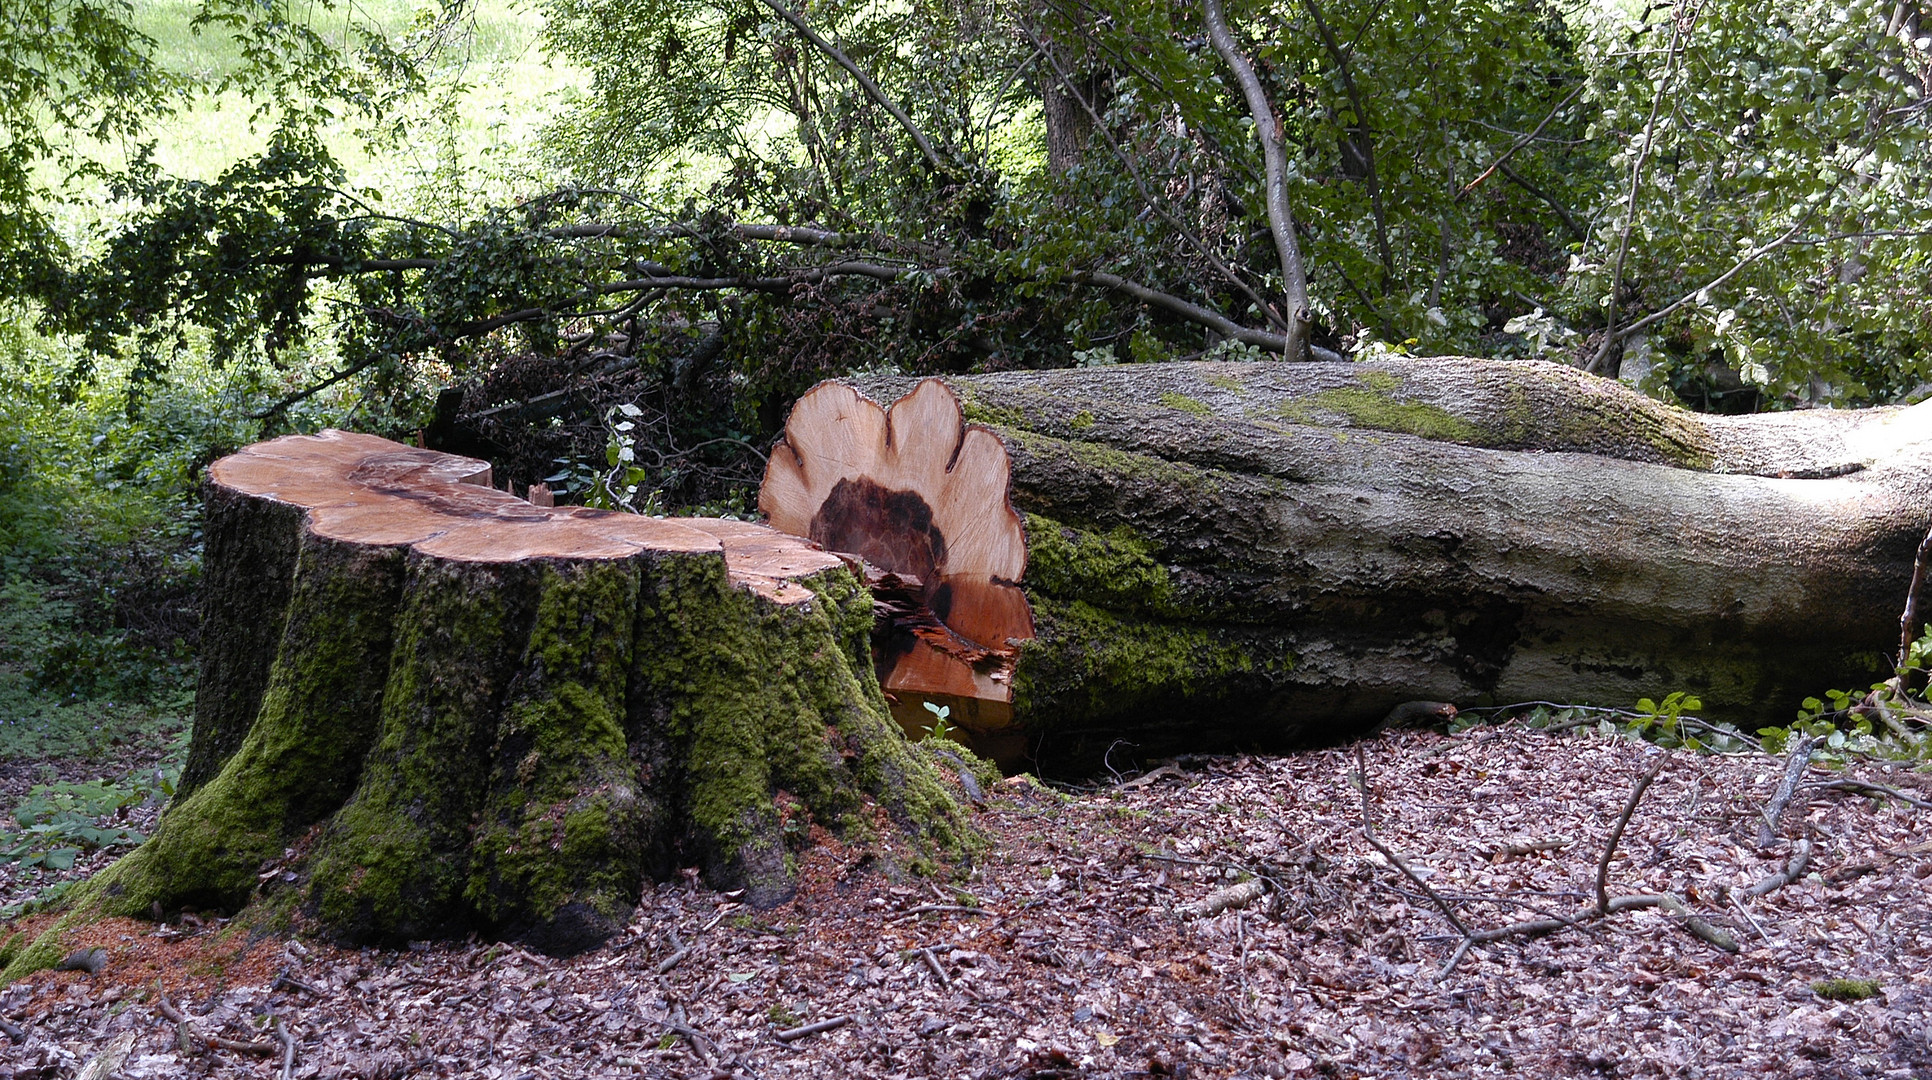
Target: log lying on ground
x: 428, y: 708
x: 1259, y: 553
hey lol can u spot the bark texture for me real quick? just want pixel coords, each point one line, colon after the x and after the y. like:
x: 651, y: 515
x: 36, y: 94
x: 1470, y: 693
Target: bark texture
x: 1264, y: 553
x: 474, y: 714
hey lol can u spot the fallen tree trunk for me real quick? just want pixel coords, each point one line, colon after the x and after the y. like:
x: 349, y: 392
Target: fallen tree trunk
x: 428, y: 708
x: 1220, y: 554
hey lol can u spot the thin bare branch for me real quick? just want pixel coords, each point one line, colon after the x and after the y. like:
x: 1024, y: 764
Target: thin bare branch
x: 865, y: 82
x: 1281, y: 221
x: 1616, y: 832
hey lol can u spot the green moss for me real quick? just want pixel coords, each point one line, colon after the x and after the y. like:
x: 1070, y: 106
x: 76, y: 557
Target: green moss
x: 1382, y: 382
x: 978, y: 411
x: 1186, y: 404
x: 1081, y: 421
x: 1121, y: 467
x: 564, y: 822
x: 767, y: 698
x: 1116, y: 570
x: 393, y: 863
x: 1846, y: 989
x: 1374, y: 408
x: 299, y: 760
x: 1090, y: 663
x: 1227, y: 383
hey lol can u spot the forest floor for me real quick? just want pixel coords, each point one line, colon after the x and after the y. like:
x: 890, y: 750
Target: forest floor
x: 1069, y: 949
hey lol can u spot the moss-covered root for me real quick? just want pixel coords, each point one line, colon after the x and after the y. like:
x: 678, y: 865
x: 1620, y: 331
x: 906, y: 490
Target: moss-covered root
x: 773, y: 712
x: 300, y: 758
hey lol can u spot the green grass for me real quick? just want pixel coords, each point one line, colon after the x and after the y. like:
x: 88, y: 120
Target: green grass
x: 495, y: 83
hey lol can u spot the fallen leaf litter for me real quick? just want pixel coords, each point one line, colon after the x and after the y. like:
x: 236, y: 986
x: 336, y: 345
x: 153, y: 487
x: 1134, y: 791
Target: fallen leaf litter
x: 1072, y: 950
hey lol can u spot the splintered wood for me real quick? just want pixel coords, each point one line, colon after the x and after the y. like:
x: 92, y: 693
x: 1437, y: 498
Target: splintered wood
x: 919, y: 498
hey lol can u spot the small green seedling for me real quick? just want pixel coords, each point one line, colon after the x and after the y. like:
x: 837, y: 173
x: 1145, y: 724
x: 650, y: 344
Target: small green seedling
x: 939, y: 728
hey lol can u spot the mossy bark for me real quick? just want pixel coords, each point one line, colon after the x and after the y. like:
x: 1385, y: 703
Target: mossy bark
x: 1269, y: 553
x: 512, y: 746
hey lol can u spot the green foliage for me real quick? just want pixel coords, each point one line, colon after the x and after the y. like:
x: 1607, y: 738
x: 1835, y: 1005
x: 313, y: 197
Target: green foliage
x: 56, y: 822
x: 1793, y: 148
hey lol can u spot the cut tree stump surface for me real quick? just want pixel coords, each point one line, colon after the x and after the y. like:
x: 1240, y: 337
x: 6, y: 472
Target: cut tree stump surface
x: 369, y: 490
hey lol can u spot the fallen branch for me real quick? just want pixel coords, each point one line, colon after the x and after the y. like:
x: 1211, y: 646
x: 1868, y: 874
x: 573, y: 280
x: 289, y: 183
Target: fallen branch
x: 1862, y: 787
x: 288, y: 1048
x: 1234, y: 897
x: 1616, y: 832
x: 1697, y: 927
x: 1150, y: 776
x: 187, y: 1037
x: 1794, y: 769
x: 1368, y: 830
x: 1792, y: 871
x: 793, y: 1034
x: 934, y: 909
x: 939, y: 972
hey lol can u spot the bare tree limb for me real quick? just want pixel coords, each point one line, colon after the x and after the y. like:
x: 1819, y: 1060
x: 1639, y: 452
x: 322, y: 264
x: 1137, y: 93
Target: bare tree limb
x: 1364, y: 144
x: 1569, y: 220
x: 1616, y: 832
x: 1147, y: 196
x: 1908, y: 620
x: 1610, y: 336
x: 865, y: 82
x: 1281, y: 221
x: 1521, y: 142
x: 1794, y: 769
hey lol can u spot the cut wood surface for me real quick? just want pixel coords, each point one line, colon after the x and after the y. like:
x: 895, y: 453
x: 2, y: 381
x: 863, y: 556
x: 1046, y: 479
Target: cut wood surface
x: 429, y: 708
x: 1266, y: 553
x: 921, y: 498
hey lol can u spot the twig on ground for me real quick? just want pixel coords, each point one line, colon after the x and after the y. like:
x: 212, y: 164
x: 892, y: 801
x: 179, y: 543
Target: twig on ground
x: 1368, y: 830
x: 1862, y: 787
x: 1794, y: 768
x: 938, y: 971
x: 1150, y: 776
x: 1698, y: 927
x: 187, y: 1038
x: 293, y: 983
x: 665, y: 965
x: 288, y: 1048
x: 792, y: 1034
x: 1792, y: 871
x: 1528, y: 847
x: 1234, y: 897
x: 700, y: 1045
x: 1616, y: 832
x: 934, y: 909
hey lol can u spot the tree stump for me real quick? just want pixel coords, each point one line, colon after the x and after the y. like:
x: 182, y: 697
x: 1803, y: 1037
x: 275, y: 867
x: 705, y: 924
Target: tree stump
x: 428, y: 707
x: 1261, y: 554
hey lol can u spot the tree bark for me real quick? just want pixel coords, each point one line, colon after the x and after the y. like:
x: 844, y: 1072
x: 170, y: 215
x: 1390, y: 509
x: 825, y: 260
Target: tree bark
x: 1261, y: 554
x: 454, y: 711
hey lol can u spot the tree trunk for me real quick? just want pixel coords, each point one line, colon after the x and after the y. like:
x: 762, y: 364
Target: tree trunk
x: 1261, y: 554
x: 427, y: 707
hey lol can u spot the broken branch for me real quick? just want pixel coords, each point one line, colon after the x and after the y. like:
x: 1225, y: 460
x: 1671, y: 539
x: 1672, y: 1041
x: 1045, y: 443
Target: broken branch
x: 1794, y: 768
x: 1616, y: 833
